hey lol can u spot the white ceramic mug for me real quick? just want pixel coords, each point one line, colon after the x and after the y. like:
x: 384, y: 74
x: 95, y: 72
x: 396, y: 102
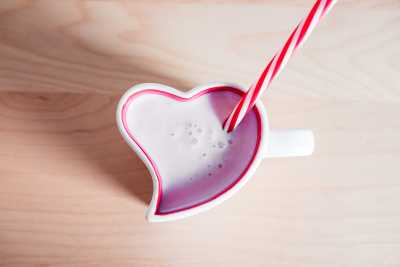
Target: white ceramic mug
x: 146, y: 115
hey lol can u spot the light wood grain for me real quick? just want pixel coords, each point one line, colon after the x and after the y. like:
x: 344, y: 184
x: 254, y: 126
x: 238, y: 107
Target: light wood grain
x: 73, y: 194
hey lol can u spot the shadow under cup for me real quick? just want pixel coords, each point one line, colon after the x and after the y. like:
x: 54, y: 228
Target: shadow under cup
x: 193, y: 158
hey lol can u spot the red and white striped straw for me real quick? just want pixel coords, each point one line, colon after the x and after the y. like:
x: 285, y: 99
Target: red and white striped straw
x: 278, y: 62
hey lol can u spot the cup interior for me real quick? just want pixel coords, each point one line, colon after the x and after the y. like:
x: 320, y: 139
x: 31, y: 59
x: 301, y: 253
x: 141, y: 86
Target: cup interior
x: 182, y: 139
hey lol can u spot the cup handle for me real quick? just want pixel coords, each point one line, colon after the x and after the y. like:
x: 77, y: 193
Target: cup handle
x: 290, y: 143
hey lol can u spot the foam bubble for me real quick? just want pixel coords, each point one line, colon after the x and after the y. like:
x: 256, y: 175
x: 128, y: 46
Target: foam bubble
x: 221, y: 145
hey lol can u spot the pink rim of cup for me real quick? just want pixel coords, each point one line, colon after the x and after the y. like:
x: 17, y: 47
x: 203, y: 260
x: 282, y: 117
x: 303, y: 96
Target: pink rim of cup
x: 278, y: 62
x: 153, y: 213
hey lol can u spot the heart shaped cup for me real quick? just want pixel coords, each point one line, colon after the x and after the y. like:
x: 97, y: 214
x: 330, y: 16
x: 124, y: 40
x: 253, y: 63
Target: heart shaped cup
x: 194, y: 164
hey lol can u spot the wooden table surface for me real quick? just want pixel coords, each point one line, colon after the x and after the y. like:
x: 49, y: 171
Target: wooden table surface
x: 73, y: 194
